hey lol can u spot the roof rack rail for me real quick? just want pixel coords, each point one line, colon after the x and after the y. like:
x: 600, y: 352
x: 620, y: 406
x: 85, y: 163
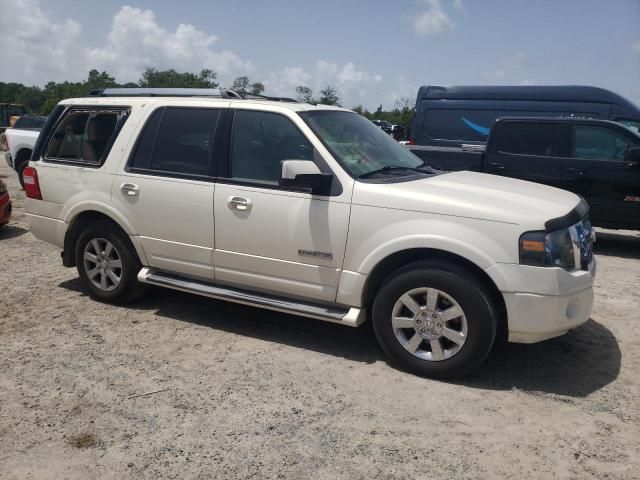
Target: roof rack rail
x: 182, y: 92
x: 155, y: 92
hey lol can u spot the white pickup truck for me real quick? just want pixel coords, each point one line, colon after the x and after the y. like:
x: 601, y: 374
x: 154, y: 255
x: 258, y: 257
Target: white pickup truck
x: 20, y: 144
x: 309, y: 210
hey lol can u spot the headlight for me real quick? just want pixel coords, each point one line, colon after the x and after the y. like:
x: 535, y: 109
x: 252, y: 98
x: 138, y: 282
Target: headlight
x: 554, y: 249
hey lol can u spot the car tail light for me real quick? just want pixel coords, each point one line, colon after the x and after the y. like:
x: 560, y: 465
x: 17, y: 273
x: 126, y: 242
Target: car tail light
x: 412, y: 141
x: 31, y: 184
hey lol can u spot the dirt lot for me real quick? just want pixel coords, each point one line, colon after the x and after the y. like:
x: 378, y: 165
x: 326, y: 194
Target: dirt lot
x: 243, y: 393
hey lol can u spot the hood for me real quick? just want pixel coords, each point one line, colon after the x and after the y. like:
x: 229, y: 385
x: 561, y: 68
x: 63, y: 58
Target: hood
x: 472, y: 195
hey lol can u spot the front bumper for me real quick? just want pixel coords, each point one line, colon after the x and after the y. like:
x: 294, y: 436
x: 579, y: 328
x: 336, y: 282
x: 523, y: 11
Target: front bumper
x: 8, y: 159
x: 544, y: 302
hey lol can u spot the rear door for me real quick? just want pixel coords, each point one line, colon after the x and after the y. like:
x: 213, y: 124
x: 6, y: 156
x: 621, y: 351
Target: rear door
x: 597, y: 170
x: 166, y: 189
x: 528, y: 151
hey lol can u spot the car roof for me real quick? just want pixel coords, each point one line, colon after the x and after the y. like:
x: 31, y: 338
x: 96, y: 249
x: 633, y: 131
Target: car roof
x: 195, y: 101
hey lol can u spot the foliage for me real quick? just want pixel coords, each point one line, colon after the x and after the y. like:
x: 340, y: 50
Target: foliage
x: 41, y: 100
x: 153, y: 78
x: 304, y: 94
x: 243, y: 84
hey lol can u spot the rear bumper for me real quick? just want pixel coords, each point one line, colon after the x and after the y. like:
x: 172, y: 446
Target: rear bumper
x: 5, y: 209
x: 47, y: 229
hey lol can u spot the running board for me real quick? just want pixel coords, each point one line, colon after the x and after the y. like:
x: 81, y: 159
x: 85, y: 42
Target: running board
x: 351, y: 317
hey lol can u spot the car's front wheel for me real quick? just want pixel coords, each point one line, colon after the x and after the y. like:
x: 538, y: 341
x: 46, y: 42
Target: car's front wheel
x: 434, y: 318
x: 107, y: 263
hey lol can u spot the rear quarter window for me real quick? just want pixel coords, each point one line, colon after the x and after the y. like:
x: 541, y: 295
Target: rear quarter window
x: 85, y: 136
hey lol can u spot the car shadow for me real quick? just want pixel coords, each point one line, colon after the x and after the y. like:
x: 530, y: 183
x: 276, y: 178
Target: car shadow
x: 11, y: 231
x: 618, y: 244
x: 575, y: 365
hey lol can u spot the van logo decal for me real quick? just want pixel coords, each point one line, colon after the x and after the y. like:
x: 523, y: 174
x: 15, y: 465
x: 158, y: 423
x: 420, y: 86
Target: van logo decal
x: 315, y: 253
x: 474, y: 126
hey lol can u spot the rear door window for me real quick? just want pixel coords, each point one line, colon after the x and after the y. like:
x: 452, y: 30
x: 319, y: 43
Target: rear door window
x: 177, y: 141
x: 527, y: 139
x: 84, y: 136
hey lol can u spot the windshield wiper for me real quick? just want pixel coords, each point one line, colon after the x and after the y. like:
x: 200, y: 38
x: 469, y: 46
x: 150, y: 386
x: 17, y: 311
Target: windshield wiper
x: 387, y: 169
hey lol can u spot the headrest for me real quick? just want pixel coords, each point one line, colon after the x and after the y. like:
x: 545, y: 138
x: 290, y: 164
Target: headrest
x: 101, y: 127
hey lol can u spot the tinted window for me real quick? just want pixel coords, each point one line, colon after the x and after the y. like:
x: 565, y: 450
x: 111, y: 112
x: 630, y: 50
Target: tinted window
x: 527, y: 139
x: 474, y: 125
x: 177, y: 140
x: 261, y: 140
x: 27, y: 121
x: 598, y: 143
x: 84, y: 136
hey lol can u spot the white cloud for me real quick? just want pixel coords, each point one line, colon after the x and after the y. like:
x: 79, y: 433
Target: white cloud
x: 39, y: 50
x: 42, y: 50
x: 433, y: 20
x: 354, y: 85
x: 507, y: 66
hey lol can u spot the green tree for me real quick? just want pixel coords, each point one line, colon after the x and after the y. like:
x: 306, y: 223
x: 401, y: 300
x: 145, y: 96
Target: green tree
x: 304, y: 94
x: 241, y: 84
x: 329, y: 96
x: 256, y: 88
x: 153, y: 78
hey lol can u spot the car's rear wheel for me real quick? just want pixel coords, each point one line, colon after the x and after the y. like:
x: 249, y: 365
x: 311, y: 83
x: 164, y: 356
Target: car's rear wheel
x: 107, y: 263
x: 434, y: 318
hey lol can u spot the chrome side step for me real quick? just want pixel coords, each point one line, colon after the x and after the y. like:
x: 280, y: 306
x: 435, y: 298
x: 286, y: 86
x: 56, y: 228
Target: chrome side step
x: 351, y: 317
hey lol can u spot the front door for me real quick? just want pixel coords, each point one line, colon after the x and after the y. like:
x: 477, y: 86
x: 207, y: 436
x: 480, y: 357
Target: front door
x: 271, y: 238
x: 597, y: 170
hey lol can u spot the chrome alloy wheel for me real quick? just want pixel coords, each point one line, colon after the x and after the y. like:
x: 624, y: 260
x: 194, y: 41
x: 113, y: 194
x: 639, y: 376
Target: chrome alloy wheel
x: 103, y: 264
x: 429, y: 324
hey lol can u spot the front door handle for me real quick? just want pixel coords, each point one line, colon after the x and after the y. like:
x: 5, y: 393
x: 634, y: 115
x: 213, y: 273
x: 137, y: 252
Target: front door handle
x: 496, y: 166
x: 575, y: 171
x: 239, y: 203
x: 130, y: 189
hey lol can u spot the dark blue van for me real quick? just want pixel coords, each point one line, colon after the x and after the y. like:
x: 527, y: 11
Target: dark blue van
x: 451, y: 116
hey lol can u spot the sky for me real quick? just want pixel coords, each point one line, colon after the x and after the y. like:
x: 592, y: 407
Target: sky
x: 373, y: 52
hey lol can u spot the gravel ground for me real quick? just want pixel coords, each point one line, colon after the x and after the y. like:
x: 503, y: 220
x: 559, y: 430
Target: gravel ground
x: 178, y: 386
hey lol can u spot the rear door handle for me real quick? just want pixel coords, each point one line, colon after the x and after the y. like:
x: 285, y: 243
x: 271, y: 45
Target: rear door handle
x: 239, y: 203
x: 496, y: 166
x: 575, y: 171
x: 130, y: 189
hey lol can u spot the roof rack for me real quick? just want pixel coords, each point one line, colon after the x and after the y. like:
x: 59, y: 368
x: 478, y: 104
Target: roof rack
x: 182, y: 92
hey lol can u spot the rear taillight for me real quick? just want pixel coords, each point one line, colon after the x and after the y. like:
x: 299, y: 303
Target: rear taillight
x: 412, y: 141
x: 31, y: 184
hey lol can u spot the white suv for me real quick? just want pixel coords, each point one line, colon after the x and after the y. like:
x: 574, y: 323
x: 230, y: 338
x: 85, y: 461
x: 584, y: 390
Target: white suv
x: 310, y: 210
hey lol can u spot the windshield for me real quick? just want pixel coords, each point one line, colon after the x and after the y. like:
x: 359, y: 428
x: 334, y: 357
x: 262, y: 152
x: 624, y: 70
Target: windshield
x: 360, y: 146
x: 633, y: 125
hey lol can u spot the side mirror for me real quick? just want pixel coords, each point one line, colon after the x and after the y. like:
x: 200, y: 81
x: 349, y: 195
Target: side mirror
x: 632, y: 157
x: 305, y: 175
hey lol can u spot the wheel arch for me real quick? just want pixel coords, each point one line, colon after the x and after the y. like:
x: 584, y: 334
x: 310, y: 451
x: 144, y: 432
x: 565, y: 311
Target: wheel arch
x: 82, y: 218
x: 399, y: 259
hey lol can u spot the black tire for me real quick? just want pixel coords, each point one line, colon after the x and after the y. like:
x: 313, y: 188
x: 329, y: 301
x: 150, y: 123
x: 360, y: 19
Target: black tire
x: 461, y: 285
x: 129, y: 288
